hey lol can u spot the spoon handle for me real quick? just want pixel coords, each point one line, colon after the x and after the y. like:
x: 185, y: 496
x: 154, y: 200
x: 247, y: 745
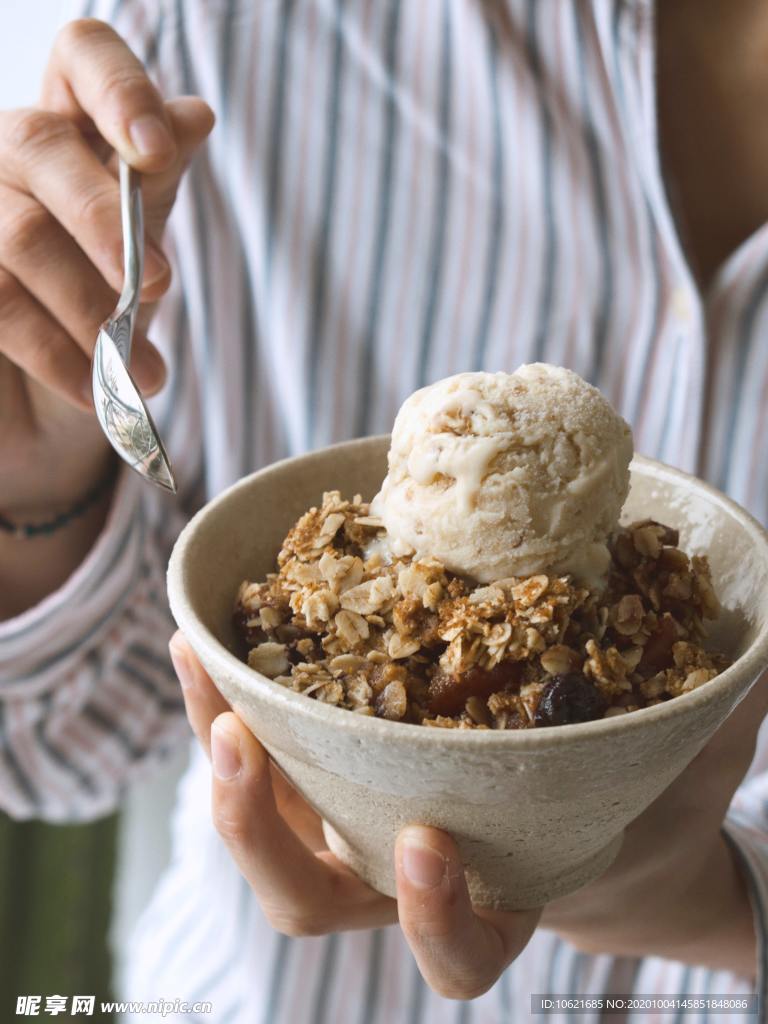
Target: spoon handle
x: 132, y: 216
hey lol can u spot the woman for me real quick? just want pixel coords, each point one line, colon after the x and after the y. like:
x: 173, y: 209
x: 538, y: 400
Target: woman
x: 394, y: 192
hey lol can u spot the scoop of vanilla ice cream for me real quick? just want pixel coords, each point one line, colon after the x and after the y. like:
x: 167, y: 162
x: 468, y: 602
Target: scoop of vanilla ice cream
x: 499, y: 474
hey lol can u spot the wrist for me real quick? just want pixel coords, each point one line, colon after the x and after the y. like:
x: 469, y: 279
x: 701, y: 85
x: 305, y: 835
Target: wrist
x: 30, y: 528
x: 52, y: 490
x: 34, y: 564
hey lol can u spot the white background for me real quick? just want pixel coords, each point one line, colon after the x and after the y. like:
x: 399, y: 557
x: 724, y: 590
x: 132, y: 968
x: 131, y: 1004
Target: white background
x: 27, y: 30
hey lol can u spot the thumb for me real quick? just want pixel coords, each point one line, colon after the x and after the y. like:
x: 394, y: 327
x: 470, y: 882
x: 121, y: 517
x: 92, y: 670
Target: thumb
x: 460, y: 951
x: 191, y: 121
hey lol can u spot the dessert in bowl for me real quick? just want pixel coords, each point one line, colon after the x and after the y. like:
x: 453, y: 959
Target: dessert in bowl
x: 537, y: 807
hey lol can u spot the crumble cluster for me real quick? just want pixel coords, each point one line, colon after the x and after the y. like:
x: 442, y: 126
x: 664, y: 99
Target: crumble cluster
x: 347, y: 623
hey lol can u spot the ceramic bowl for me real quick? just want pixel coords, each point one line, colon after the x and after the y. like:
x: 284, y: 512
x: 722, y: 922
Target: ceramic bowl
x: 537, y: 813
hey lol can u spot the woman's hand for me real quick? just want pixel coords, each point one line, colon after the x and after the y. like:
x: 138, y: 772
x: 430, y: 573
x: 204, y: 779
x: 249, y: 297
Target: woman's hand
x: 61, y: 253
x: 675, y: 890
x: 277, y: 841
x: 60, y: 275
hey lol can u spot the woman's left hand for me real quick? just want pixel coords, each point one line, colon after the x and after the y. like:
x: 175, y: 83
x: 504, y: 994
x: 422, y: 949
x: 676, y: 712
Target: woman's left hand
x: 277, y: 842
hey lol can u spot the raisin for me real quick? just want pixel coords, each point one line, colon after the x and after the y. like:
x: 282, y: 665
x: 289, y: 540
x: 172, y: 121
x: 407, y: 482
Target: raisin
x: 449, y: 694
x: 568, y: 698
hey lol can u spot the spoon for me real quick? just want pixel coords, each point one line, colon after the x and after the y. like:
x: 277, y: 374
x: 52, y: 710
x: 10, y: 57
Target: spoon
x: 120, y: 409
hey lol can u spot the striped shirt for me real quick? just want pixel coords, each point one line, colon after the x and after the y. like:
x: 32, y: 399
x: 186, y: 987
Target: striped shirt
x: 395, y: 191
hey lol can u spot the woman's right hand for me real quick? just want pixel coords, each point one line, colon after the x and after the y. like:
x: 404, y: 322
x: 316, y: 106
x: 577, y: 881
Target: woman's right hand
x: 61, y: 253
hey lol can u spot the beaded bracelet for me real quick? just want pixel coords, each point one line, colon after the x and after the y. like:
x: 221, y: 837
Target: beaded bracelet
x: 31, y: 530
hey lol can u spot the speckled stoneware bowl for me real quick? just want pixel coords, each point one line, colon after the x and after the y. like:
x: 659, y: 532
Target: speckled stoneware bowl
x: 536, y: 813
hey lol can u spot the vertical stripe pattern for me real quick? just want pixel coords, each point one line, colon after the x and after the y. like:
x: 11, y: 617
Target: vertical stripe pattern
x: 394, y: 192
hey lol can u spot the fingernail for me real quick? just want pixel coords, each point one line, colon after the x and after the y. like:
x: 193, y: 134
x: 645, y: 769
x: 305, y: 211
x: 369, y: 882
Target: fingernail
x: 180, y: 662
x: 149, y: 135
x: 148, y: 367
x: 225, y: 753
x: 423, y: 866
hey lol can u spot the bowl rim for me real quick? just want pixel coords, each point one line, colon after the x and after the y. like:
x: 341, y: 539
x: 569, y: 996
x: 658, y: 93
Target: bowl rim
x: 752, y: 662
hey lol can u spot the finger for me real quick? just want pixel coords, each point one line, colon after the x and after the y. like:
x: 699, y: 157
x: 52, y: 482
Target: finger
x: 300, y: 816
x: 53, y: 269
x: 94, y: 79
x: 36, y: 344
x: 202, y: 700
x: 203, y: 704
x: 44, y: 156
x: 14, y: 401
x: 300, y: 893
x: 191, y: 122
x: 459, y: 953
x: 84, y: 197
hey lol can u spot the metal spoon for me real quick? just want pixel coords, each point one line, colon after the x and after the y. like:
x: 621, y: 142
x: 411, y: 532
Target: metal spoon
x: 119, y: 407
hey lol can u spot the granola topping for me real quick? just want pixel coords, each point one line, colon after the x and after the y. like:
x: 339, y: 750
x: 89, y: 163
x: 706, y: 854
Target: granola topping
x: 403, y: 638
